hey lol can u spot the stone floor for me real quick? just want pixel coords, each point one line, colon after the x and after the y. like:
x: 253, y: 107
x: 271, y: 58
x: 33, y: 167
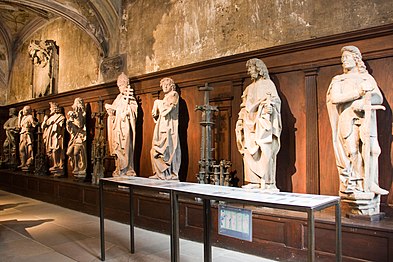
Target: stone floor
x: 32, y: 230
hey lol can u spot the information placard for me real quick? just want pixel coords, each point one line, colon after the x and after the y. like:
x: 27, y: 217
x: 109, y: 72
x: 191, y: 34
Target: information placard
x: 235, y: 222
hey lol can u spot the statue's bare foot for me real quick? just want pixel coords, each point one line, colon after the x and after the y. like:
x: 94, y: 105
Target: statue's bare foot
x: 377, y: 190
x: 251, y: 186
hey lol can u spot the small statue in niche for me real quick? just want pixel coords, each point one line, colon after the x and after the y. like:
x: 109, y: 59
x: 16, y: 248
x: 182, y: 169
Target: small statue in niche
x: 44, y: 55
x: 53, y: 136
x: 10, y: 144
x: 352, y: 100
x: 165, y: 152
x: 27, y: 124
x: 121, y: 127
x: 76, y: 126
x: 258, y: 128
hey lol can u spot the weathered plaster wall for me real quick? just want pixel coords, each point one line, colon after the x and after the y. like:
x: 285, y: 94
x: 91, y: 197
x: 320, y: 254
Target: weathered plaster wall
x: 160, y: 34
x: 78, y: 60
x: 3, y: 72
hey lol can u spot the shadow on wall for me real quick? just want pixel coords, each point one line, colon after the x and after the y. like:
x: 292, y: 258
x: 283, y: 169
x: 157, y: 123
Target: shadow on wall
x: 184, y: 118
x: 385, y: 139
x: 138, y: 137
x: 286, y: 157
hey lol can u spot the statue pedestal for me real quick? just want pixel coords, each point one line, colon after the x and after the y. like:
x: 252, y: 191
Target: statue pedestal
x: 56, y: 172
x: 79, y: 176
x: 363, y: 204
x: 371, y: 218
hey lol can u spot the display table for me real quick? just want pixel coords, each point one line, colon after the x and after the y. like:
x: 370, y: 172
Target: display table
x: 289, y: 201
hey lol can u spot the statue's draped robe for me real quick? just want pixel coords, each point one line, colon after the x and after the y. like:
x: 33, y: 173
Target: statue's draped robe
x: 259, y: 137
x: 165, y: 152
x: 53, y: 137
x: 121, y: 133
x: 343, y: 98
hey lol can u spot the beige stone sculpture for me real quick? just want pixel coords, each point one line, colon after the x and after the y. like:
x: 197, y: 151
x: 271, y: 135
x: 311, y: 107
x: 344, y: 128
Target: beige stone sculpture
x: 165, y: 152
x: 27, y: 124
x: 10, y: 143
x: 53, y: 128
x: 121, y: 127
x: 76, y: 126
x: 258, y: 128
x: 352, y: 100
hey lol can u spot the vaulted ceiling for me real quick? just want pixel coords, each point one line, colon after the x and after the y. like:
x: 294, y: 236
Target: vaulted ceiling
x: 19, y: 19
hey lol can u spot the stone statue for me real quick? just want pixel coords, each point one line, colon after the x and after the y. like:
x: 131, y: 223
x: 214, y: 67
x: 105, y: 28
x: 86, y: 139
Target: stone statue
x: 121, y: 127
x: 53, y: 136
x: 165, y: 152
x: 76, y: 126
x: 352, y: 100
x: 26, y: 123
x: 258, y: 128
x: 11, y: 131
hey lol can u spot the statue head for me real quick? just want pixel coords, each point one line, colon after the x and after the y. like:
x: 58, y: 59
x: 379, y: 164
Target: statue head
x: 26, y: 110
x: 79, y: 105
x: 256, y: 68
x: 351, y: 57
x: 167, y: 84
x: 54, y: 108
x: 12, y: 112
x: 122, y: 81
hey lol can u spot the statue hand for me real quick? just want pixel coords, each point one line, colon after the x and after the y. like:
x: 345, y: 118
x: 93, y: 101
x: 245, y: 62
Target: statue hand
x: 366, y: 86
x: 268, y: 109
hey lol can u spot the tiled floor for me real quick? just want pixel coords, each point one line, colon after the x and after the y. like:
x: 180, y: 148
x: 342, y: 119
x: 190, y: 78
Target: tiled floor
x: 32, y: 230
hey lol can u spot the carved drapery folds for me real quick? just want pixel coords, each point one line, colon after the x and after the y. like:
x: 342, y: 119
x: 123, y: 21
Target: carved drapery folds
x: 45, y: 67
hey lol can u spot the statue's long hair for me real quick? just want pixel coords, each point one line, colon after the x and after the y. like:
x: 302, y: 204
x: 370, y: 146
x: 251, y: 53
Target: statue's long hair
x: 357, y: 56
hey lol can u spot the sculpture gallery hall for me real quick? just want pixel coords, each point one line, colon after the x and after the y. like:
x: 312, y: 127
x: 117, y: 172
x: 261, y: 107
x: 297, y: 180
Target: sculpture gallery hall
x: 221, y: 130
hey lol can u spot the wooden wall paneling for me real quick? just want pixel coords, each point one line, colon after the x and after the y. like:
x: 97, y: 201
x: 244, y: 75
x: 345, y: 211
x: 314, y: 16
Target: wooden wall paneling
x: 70, y: 192
x: 312, y: 148
x: 381, y: 69
x: 287, y: 65
x: 20, y: 182
x: 329, y: 180
x: 33, y: 185
x: 191, y: 129
x: 145, y: 127
x: 291, y: 159
x: 293, y: 233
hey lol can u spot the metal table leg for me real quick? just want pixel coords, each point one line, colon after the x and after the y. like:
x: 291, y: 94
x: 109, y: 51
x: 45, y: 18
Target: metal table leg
x: 207, y: 230
x: 102, y: 231
x: 311, y: 235
x: 338, y: 233
x: 132, y: 238
x: 174, y: 198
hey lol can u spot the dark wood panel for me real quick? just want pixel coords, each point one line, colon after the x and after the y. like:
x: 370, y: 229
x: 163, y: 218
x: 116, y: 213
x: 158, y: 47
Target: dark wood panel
x: 46, y: 187
x: 294, y: 232
x: 69, y: 192
x: 193, y: 215
x: 20, y: 182
x: 154, y: 210
x: 276, y: 235
x: 32, y: 184
x: 377, y: 246
x: 329, y: 181
x: 268, y: 230
x: 292, y: 158
x: 90, y: 197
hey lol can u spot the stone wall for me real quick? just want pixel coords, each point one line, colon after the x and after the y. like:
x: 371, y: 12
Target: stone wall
x: 79, y: 60
x: 155, y: 35
x: 162, y: 34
